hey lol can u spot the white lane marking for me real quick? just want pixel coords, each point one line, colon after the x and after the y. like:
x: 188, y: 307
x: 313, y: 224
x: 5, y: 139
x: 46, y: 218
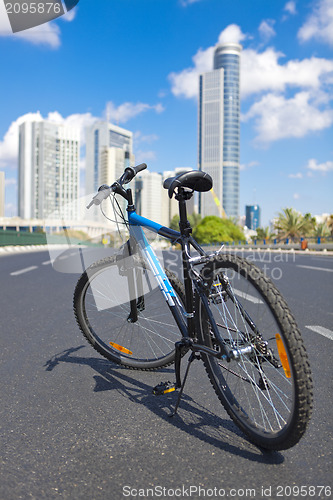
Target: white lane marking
x: 25, y: 270
x: 316, y: 268
x: 46, y: 262
x: 321, y: 330
x: 248, y: 297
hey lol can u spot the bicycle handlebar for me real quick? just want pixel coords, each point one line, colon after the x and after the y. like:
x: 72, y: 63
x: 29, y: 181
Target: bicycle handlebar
x: 104, y: 191
x: 138, y: 168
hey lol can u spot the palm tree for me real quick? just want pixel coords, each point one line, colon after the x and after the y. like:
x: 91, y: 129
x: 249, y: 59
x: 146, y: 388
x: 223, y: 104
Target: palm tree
x: 264, y: 233
x: 329, y: 223
x: 292, y: 224
x: 321, y: 230
x: 310, y: 224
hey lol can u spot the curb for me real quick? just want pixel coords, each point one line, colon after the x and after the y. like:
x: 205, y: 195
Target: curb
x: 323, y: 252
x: 8, y: 250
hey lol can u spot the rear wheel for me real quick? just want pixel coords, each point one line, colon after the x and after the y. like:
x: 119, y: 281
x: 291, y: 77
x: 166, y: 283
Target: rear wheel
x: 266, y: 387
x: 102, y: 307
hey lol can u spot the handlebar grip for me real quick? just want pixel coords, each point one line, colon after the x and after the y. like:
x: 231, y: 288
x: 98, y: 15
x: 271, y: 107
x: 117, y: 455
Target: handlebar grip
x: 140, y: 167
x: 103, y: 192
x: 130, y: 173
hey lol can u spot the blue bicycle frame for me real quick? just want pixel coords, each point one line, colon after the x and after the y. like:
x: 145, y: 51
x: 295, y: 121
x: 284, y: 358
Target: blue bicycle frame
x: 136, y: 222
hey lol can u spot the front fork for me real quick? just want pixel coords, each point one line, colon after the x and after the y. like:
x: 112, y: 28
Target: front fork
x: 134, y: 279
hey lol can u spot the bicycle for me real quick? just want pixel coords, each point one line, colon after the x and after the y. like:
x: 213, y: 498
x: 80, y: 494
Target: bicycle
x: 226, y: 312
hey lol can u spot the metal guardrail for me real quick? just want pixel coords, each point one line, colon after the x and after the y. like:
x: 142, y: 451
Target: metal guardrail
x: 10, y: 237
x: 23, y: 238
x: 317, y: 244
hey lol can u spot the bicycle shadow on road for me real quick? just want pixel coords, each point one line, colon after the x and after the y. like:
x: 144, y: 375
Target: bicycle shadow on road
x: 193, y: 417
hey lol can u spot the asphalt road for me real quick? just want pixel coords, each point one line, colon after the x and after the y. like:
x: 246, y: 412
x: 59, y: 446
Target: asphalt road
x: 76, y: 426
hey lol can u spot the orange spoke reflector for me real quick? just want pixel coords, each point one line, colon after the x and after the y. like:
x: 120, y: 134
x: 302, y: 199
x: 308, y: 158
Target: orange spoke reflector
x: 169, y: 390
x: 283, y: 355
x: 121, y: 348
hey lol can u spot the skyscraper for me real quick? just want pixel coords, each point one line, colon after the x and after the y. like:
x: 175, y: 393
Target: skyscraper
x: 112, y: 164
x: 252, y: 217
x: 148, y: 195
x: 219, y: 123
x: 99, y: 136
x: 48, y: 170
x: 211, y: 137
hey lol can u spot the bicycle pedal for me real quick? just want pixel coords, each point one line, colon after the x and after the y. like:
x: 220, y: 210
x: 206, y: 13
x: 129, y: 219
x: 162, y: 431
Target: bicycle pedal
x: 164, y: 388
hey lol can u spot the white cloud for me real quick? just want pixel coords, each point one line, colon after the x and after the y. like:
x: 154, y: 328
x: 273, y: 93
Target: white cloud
x: 277, y: 117
x: 262, y: 72
x: 296, y: 196
x: 185, y: 3
x: 266, y: 29
x: 128, y: 110
x: 144, y: 156
x: 299, y: 175
x: 246, y: 166
x: 290, y: 7
x: 10, y: 182
x: 5, y: 28
x: 185, y: 83
x: 325, y: 167
x: 231, y: 33
x: 138, y: 138
x: 319, y: 25
x: 70, y: 15
x: 45, y: 34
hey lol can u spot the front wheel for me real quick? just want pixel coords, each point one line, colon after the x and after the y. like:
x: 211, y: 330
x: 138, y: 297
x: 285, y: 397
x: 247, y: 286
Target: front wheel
x: 142, y: 336
x: 266, y: 386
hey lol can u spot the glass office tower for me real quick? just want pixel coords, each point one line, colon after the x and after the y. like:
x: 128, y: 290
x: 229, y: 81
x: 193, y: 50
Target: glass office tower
x: 226, y: 180
x: 211, y: 139
x: 252, y: 217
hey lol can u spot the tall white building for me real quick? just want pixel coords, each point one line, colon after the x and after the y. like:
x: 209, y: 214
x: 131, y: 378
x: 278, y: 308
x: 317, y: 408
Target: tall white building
x: 99, y: 137
x: 211, y: 137
x: 219, y: 125
x: 112, y: 163
x: 48, y: 170
x: 2, y: 194
x: 148, y: 195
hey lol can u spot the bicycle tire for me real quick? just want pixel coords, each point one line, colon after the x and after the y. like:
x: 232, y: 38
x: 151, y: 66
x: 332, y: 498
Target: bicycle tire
x: 270, y: 405
x: 103, y: 316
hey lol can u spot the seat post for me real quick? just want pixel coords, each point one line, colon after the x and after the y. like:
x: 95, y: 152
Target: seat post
x: 185, y: 229
x: 182, y: 196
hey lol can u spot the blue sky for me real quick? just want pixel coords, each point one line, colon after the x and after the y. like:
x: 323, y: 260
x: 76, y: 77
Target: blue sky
x: 139, y: 61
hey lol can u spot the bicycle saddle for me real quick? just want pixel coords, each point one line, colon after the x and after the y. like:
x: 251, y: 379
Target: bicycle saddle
x: 195, y: 180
